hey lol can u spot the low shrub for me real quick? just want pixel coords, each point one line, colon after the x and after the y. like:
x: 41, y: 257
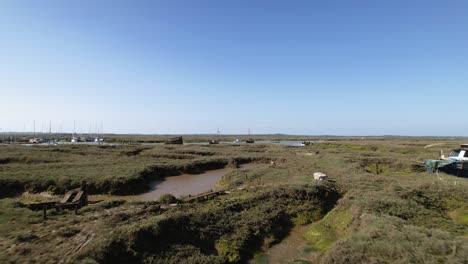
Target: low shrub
x: 167, y: 199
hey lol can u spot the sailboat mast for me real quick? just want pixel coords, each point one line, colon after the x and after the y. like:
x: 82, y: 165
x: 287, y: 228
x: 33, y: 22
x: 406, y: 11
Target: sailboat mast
x: 50, y: 130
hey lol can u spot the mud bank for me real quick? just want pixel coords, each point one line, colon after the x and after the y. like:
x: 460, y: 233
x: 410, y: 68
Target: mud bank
x: 229, y: 229
x: 181, y: 185
x: 137, y: 183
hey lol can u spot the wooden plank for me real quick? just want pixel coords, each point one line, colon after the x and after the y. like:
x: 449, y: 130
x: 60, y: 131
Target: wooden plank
x: 67, y: 197
x: 39, y: 206
x: 204, y: 195
x: 78, y: 197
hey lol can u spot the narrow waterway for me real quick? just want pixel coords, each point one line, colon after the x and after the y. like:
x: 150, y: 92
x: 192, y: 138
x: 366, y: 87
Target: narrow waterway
x: 181, y: 185
x: 294, y: 248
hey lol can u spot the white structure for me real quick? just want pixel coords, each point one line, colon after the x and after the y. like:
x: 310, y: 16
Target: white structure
x: 459, y: 154
x: 320, y: 176
x: 35, y: 140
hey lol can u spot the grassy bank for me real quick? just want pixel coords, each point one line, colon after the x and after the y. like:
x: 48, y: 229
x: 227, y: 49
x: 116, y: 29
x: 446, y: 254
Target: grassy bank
x: 229, y: 229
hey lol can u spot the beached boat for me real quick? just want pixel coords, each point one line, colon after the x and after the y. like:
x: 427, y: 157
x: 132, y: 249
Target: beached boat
x: 456, y: 163
x: 175, y: 141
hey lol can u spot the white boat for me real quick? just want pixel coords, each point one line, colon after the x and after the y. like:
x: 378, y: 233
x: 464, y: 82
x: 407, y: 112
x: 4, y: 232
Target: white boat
x: 460, y: 154
x: 456, y: 163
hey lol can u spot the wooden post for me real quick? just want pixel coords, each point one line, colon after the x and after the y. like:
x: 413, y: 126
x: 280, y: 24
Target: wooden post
x: 84, y: 188
x: 44, y: 210
x: 377, y: 167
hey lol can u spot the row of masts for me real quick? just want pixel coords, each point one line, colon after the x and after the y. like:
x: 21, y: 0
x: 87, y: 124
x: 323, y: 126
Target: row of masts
x: 50, y: 136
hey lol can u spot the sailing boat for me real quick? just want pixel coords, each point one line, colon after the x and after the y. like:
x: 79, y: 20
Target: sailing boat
x: 100, y: 139
x: 214, y: 141
x: 74, y: 138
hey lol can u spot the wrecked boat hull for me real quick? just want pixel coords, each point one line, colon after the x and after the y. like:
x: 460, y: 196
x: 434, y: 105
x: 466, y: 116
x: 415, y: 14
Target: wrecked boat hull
x: 454, y: 167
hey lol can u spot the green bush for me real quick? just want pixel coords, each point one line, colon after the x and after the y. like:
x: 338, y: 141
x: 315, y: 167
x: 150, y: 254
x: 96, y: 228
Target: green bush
x: 67, y: 231
x: 167, y: 198
x: 229, y: 249
x: 226, y: 230
x: 304, y: 218
x: 25, y: 237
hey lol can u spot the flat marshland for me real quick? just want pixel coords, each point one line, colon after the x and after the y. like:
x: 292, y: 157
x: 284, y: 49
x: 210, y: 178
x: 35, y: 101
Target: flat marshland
x: 380, y: 205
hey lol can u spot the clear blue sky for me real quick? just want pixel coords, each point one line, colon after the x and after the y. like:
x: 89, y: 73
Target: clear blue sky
x: 296, y: 67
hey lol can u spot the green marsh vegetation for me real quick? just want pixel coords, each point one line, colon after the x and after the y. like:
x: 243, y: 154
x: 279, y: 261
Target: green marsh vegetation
x: 397, y: 213
x: 107, y: 169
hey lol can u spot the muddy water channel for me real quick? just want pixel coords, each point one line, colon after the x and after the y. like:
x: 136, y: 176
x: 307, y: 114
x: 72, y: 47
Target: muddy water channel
x: 293, y: 249
x: 181, y: 185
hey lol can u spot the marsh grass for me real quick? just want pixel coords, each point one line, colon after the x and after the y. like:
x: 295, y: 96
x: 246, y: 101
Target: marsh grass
x: 106, y: 169
x: 325, y: 232
x: 398, y: 214
x: 225, y: 230
x: 12, y: 212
